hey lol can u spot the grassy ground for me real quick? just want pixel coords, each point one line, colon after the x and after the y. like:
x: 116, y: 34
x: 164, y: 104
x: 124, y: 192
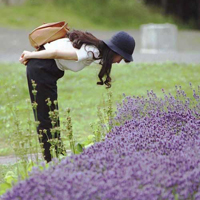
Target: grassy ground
x: 79, y: 92
x: 84, y: 14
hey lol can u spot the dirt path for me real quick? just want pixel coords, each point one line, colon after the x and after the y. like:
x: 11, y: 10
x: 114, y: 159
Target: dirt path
x: 11, y: 159
x: 14, y: 41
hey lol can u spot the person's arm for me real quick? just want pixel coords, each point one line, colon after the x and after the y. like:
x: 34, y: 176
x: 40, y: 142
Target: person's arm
x: 48, y: 54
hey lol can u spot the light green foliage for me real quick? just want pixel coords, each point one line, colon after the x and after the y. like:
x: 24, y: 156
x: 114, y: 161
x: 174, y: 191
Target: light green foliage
x: 104, y: 116
x: 4, y: 169
x: 8, y: 180
x: 67, y: 133
x: 83, y: 14
x: 16, y: 172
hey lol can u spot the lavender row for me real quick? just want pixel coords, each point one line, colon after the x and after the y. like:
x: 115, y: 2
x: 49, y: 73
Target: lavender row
x: 152, y: 152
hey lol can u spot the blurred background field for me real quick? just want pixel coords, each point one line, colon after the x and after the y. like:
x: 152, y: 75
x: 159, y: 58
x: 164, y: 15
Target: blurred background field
x: 84, y: 14
x: 79, y: 91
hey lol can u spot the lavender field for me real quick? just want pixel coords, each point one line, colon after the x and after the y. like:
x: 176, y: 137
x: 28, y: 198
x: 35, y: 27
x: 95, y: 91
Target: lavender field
x: 152, y: 152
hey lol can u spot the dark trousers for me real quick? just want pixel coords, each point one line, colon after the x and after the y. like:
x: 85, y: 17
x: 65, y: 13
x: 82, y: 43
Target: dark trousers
x: 45, y: 73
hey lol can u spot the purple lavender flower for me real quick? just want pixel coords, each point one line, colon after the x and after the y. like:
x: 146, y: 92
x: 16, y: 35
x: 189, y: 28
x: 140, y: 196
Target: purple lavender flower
x: 152, y: 152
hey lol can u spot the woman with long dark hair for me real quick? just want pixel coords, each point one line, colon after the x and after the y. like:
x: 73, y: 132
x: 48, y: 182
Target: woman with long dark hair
x: 76, y: 51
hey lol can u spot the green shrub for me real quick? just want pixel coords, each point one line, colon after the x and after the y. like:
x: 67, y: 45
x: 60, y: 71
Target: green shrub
x: 83, y: 14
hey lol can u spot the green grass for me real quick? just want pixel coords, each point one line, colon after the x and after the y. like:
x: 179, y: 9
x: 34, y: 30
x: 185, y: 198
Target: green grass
x: 79, y: 92
x: 84, y: 14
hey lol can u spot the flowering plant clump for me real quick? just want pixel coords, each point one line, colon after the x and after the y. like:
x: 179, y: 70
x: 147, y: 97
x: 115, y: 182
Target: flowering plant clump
x: 151, y: 153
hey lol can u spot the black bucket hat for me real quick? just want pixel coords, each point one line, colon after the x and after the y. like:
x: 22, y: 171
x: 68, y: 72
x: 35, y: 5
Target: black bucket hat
x: 123, y: 44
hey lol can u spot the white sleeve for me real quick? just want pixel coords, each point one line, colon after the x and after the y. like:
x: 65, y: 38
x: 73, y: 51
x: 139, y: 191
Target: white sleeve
x: 60, y: 44
x: 85, y: 52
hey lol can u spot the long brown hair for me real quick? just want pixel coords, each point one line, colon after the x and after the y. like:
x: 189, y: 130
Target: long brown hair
x: 106, y: 55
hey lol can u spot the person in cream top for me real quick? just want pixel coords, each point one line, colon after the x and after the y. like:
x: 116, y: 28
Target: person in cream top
x: 78, y: 50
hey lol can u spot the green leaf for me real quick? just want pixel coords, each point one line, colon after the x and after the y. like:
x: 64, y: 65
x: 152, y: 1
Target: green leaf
x: 79, y: 147
x: 30, y: 166
x: 10, y: 177
x: 90, y: 137
x: 88, y: 141
x: 176, y: 197
x: 46, y: 164
x: 61, y: 156
x: 89, y: 145
x: 4, y: 187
